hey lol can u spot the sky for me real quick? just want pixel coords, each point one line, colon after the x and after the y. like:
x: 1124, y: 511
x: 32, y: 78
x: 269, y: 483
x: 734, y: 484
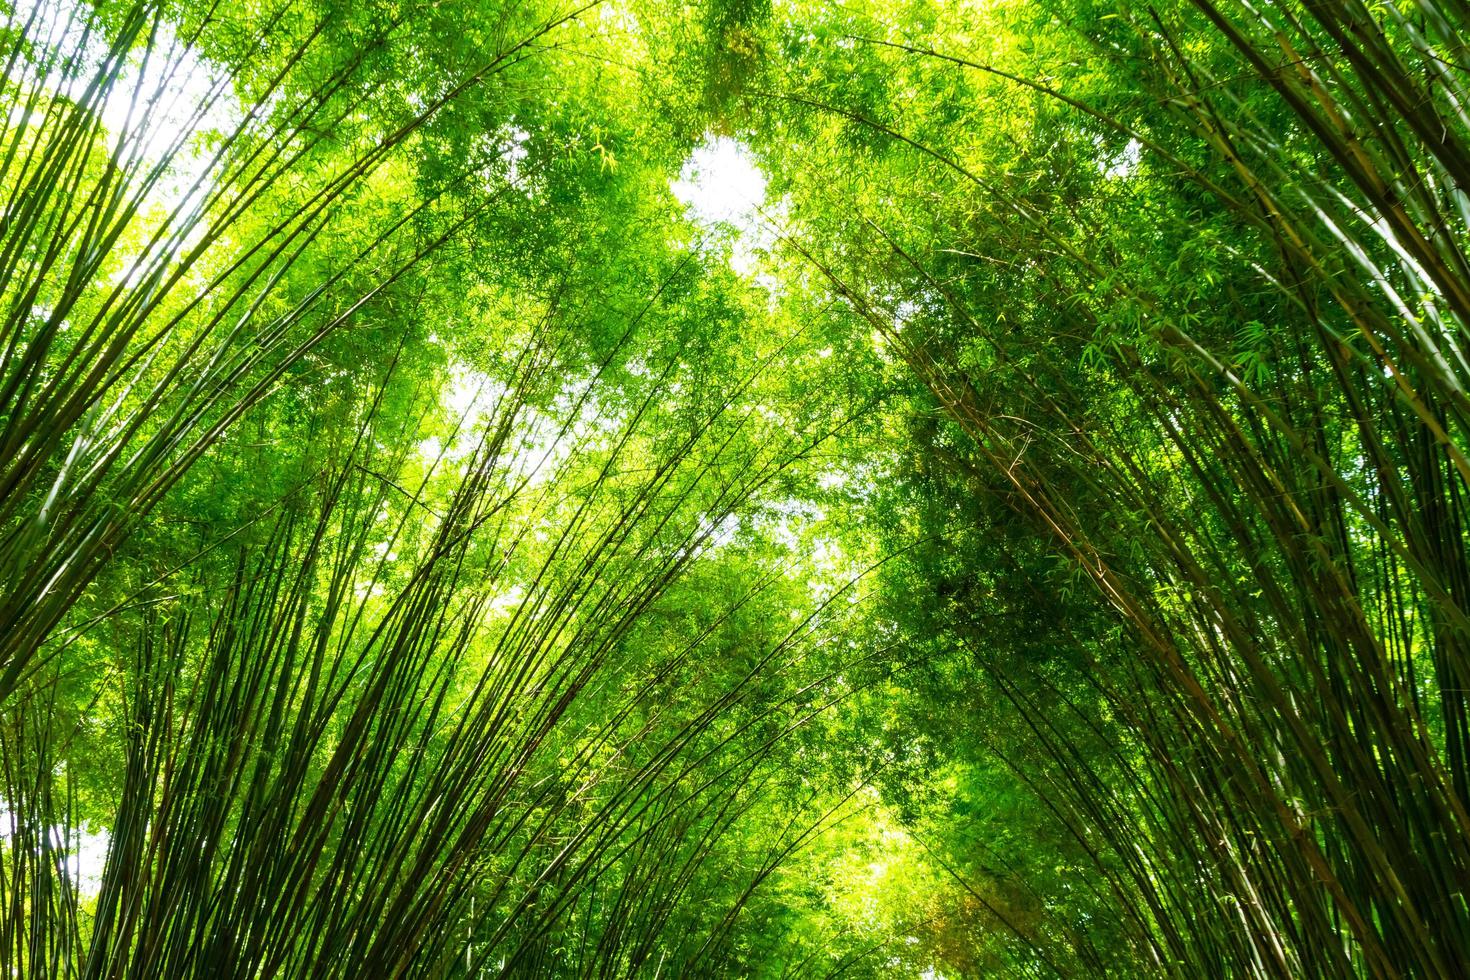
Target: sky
x: 724, y: 189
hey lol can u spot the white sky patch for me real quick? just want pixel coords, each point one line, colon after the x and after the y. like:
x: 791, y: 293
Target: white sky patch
x: 505, y: 148
x: 541, y: 442
x: 513, y: 150
x: 720, y: 182
x: 1123, y: 163
x: 83, y: 856
x: 724, y: 189
x: 87, y: 860
x: 832, y: 480
x: 720, y: 533
x: 881, y: 346
x: 158, y: 106
x: 903, y: 313
x: 506, y: 602
x: 618, y: 16
x: 828, y: 570
x: 816, y: 559
x: 170, y: 89
x: 470, y: 394
x: 787, y: 521
x: 468, y: 398
x: 544, y: 448
x: 540, y: 447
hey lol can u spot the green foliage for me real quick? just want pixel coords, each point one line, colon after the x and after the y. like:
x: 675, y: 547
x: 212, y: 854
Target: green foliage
x: 1030, y: 542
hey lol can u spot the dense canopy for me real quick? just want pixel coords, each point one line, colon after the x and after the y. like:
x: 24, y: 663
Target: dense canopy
x: 743, y: 488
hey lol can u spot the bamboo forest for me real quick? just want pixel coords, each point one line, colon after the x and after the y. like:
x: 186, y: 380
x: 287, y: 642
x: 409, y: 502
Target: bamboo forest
x: 651, y: 489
